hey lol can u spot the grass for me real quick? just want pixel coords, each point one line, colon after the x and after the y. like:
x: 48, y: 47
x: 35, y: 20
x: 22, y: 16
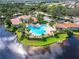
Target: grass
x: 41, y: 42
x: 76, y: 33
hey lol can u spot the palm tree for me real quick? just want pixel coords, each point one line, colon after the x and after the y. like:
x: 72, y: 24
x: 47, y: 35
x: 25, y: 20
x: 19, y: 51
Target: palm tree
x: 22, y: 30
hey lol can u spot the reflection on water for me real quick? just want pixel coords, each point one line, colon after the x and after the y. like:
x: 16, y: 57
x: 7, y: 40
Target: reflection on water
x: 47, y: 52
x: 11, y: 49
x: 71, y: 51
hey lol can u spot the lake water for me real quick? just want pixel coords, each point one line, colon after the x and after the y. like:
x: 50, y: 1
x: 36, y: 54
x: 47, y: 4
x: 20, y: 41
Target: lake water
x: 11, y: 49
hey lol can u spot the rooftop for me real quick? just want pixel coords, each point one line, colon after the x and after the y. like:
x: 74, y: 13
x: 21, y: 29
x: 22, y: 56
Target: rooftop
x: 67, y: 25
x: 16, y: 21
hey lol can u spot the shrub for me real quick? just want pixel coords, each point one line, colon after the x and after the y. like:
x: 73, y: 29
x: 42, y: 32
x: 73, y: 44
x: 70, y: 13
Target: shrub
x: 69, y: 33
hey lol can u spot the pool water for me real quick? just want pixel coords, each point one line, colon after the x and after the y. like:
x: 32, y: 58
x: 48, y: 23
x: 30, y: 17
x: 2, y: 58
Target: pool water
x: 37, y: 30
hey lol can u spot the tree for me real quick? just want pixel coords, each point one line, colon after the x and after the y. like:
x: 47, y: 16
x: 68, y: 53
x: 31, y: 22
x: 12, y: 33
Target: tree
x: 52, y: 23
x: 73, y: 12
x: 69, y: 32
x: 57, y: 10
x: 43, y: 8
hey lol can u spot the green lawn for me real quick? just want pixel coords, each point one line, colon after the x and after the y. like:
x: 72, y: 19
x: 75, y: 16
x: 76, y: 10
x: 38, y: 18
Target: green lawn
x: 76, y: 33
x: 42, y: 43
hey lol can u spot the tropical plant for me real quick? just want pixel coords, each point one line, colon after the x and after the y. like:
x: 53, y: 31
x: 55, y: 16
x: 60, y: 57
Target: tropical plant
x: 69, y: 32
x: 52, y: 23
x: 56, y: 33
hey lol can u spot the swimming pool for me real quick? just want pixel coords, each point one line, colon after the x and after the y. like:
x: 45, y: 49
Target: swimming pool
x: 37, y: 30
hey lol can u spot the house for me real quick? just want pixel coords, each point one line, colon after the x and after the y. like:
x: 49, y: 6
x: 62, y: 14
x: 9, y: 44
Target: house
x: 46, y: 18
x: 64, y: 19
x: 70, y: 4
x: 15, y: 21
x: 24, y: 18
x: 67, y: 25
x: 75, y: 19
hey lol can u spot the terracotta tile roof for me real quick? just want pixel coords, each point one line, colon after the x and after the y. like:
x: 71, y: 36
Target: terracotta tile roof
x: 67, y: 25
x: 25, y: 16
x: 34, y: 19
x: 15, y: 21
